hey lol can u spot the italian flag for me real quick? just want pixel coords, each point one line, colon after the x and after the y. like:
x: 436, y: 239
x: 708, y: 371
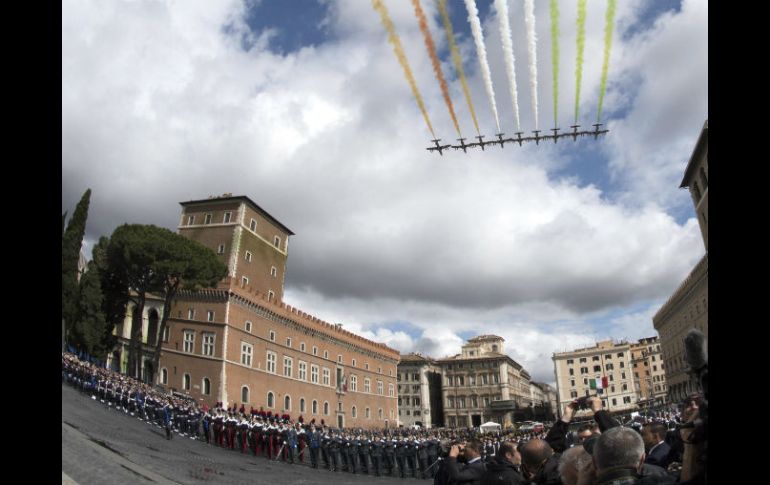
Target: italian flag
x: 599, y: 383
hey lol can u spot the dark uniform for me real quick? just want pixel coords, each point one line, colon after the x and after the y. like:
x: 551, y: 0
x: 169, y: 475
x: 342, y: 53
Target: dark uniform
x: 389, y: 452
x: 363, y: 453
x: 377, y: 449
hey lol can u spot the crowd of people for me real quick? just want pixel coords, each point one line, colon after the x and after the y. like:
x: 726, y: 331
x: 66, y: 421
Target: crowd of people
x: 665, y: 448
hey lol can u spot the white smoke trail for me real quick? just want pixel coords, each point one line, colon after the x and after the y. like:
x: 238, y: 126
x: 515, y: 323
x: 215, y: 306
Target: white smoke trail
x: 510, y: 61
x: 529, y: 23
x: 478, y: 38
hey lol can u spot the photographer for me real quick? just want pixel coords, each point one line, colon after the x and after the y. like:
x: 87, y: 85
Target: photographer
x: 504, y: 467
x: 473, y: 469
x: 556, y: 436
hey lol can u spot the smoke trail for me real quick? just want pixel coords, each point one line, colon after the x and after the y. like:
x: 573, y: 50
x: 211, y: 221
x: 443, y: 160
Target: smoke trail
x: 607, y: 46
x: 529, y: 22
x: 510, y: 62
x: 478, y: 38
x: 434, y: 59
x: 457, y: 60
x: 399, y: 51
x: 581, y: 43
x: 555, y: 59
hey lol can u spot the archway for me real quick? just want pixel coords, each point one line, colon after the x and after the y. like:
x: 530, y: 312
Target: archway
x: 152, y: 327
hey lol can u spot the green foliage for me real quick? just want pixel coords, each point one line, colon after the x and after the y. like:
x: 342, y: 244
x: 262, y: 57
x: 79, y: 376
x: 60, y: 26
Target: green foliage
x: 150, y: 259
x: 72, y: 239
x: 88, y: 328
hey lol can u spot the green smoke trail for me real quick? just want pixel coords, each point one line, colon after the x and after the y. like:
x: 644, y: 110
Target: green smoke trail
x: 610, y: 18
x: 581, y: 43
x: 555, y: 58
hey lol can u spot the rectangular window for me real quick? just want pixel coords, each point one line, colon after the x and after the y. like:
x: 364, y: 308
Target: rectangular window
x: 570, y: 361
x: 247, y: 256
x: 288, y: 341
x: 339, y: 358
x: 627, y: 399
x: 597, y: 368
x: 314, y: 374
x: 572, y: 372
x: 625, y: 387
x: 622, y: 365
x: 248, y: 326
x: 208, y: 343
x: 391, y: 390
x: 460, y: 402
x: 607, y: 356
x: 583, y: 360
x: 620, y: 354
x: 190, y: 220
x: 208, y: 219
x: 379, y: 387
x: 191, y: 313
x: 416, y: 389
x: 353, y: 362
x: 484, y: 379
x: 210, y: 315
x: 228, y: 216
x: 273, y: 271
x: 277, y: 241
x: 326, y: 377
x: 189, y: 341
x: 287, y: 364
x: 496, y: 378
x: 302, y: 370
x: 486, y: 401
x: 450, y: 402
x: 367, y: 385
x: 271, y: 358
x: 221, y: 249
x: 246, y: 351
x: 460, y: 381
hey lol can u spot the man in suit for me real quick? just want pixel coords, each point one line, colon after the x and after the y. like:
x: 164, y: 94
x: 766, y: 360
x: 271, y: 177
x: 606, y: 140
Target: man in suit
x: 654, y: 435
x: 471, y: 472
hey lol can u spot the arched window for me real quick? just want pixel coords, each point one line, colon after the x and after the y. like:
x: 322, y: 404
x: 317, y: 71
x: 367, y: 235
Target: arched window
x: 270, y: 400
x: 379, y: 413
x: 186, y: 382
x: 287, y: 403
x: 244, y: 394
x: 206, y: 386
x: 164, y: 376
x: 302, y: 405
x: 353, y: 383
x: 353, y: 411
x: 368, y: 413
x: 326, y: 408
x: 315, y: 407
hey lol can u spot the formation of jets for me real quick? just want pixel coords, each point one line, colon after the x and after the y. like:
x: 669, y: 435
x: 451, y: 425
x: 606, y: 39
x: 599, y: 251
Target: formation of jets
x: 501, y: 141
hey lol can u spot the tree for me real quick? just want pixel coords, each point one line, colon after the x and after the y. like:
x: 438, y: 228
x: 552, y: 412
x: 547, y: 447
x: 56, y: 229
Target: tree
x: 149, y: 259
x: 114, y: 291
x: 70, y: 255
x: 191, y: 266
x: 88, y: 328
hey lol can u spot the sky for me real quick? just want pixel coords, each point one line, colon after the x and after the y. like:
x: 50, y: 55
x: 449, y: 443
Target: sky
x: 302, y: 106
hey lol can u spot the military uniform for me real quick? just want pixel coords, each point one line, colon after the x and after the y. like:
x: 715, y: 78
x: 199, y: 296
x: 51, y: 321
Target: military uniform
x: 377, y: 449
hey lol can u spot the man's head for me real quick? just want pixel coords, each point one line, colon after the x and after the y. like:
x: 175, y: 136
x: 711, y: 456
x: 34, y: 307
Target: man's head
x: 534, y: 454
x: 652, y: 434
x: 472, y: 450
x: 508, y: 452
x: 571, y: 462
x: 618, y: 447
x: 584, y: 432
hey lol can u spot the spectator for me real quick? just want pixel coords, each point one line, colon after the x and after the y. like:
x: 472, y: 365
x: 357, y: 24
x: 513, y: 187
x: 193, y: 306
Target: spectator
x: 503, y: 469
x: 571, y: 462
x: 539, y: 464
x: 472, y: 471
x: 654, y: 435
x: 618, y: 458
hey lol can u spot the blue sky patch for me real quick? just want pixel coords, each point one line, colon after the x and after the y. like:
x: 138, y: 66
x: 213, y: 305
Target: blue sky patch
x: 295, y: 24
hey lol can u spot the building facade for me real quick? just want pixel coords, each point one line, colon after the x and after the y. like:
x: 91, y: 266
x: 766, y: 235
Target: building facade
x: 687, y: 308
x: 419, y: 392
x: 574, y: 371
x: 239, y: 343
x: 483, y: 384
x: 546, y: 408
x: 649, y: 372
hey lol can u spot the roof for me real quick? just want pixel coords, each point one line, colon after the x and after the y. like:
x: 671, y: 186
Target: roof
x: 481, y: 338
x: 414, y: 357
x: 702, y: 143
x: 242, y: 198
x: 488, y: 356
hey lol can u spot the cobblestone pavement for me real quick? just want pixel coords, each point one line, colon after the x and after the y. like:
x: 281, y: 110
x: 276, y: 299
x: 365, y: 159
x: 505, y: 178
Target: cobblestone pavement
x: 103, y: 446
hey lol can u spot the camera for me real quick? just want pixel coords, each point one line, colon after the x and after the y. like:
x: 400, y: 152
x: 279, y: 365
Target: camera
x: 582, y: 402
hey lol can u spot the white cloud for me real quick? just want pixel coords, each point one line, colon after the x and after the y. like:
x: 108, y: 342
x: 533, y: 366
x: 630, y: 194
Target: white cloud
x: 160, y: 105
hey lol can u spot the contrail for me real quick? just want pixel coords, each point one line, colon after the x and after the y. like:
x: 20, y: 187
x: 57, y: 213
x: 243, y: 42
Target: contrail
x: 399, y: 51
x: 581, y: 43
x: 434, y: 59
x: 555, y: 59
x: 607, y: 46
x: 478, y: 38
x: 457, y: 61
x: 510, y: 62
x: 529, y: 22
